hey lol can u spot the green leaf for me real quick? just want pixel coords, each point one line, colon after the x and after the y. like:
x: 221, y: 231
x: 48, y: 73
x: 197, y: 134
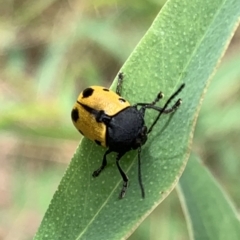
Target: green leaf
x: 184, y: 44
x: 209, y: 212
x: 226, y: 115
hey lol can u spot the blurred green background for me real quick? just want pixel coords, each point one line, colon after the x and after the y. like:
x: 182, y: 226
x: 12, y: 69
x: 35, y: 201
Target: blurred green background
x: 49, y: 51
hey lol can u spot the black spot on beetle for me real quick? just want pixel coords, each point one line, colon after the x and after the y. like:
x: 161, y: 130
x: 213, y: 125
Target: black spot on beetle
x: 105, y: 89
x: 75, y: 114
x: 98, y: 142
x: 122, y: 100
x: 87, y: 92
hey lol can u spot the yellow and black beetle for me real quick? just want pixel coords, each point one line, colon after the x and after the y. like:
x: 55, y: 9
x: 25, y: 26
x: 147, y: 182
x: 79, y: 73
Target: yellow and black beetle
x: 108, y: 119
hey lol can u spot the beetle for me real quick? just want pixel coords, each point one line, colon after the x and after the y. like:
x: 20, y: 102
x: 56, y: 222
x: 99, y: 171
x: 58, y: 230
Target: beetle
x: 108, y: 119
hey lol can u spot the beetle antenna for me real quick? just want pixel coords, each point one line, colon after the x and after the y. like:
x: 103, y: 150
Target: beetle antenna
x: 140, y: 173
x: 177, y: 104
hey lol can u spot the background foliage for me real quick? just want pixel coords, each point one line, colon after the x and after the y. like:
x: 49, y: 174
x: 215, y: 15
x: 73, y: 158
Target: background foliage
x: 49, y: 51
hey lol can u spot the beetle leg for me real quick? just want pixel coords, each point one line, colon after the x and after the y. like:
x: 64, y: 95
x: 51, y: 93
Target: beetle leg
x: 163, y: 109
x: 166, y: 111
x: 119, y: 84
x: 124, y: 176
x: 104, y: 164
x: 166, y: 105
x: 159, y: 97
